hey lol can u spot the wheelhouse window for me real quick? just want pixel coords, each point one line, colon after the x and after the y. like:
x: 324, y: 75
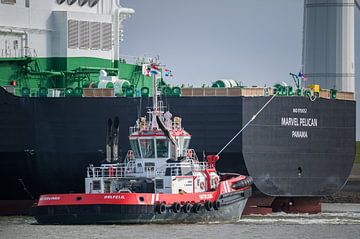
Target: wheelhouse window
x: 96, y: 185
x: 149, y: 166
x: 162, y: 148
x: 147, y: 148
x: 172, y: 151
x: 135, y: 147
x: 186, y: 146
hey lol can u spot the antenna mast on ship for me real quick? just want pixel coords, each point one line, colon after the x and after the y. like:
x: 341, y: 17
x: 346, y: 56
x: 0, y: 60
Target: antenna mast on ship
x: 155, y: 104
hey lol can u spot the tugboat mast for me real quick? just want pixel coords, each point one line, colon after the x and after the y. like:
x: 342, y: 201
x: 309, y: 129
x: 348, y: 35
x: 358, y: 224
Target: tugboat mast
x: 155, y: 103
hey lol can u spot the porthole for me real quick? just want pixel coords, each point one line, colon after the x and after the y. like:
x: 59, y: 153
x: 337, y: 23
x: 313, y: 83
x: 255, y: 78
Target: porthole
x: 60, y: 1
x: 299, y: 171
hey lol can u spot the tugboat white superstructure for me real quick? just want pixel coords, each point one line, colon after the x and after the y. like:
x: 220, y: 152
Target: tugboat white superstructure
x: 161, y: 180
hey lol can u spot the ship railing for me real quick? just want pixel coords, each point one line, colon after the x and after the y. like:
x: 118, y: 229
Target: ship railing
x: 51, y: 92
x: 56, y: 92
x: 133, y: 129
x: 136, y: 60
x: 120, y: 171
x: 181, y: 169
x: 116, y: 171
x: 150, y: 172
x: 17, y: 53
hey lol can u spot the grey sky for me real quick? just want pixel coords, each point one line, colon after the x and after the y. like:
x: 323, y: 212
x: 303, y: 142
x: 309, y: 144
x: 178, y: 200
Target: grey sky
x: 256, y: 42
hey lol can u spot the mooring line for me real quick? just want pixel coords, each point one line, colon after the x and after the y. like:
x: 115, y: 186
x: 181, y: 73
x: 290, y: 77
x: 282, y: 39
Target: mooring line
x: 252, y: 119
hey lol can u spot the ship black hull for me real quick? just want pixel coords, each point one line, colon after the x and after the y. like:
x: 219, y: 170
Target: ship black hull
x: 46, y: 143
x: 312, y: 157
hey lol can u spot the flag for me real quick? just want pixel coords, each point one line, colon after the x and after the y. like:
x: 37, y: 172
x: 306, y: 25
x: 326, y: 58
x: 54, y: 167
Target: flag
x: 154, y: 69
x: 146, y: 70
x: 168, y: 73
x: 301, y: 75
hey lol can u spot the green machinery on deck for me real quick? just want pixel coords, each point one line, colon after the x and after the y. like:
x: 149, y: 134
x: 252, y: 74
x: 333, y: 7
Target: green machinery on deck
x: 30, y: 76
x: 70, y: 77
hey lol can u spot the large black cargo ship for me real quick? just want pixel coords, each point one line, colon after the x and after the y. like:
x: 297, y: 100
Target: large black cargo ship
x: 66, y: 80
x: 295, y: 148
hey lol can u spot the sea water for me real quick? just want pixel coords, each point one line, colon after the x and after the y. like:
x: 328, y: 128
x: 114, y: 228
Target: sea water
x: 338, y: 221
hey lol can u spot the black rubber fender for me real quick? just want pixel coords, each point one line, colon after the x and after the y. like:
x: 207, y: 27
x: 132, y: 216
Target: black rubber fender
x: 217, y: 205
x: 176, y: 207
x: 187, y: 207
x: 196, y: 207
x: 208, y: 205
x: 160, y: 208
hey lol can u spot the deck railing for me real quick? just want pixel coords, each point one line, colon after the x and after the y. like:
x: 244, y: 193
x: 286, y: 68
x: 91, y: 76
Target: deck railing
x: 129, y: 170
x: 119, y: 171
x: 113, y: 171
x: 137, y: 60
x: 181, y: 169
x: 17, y: 53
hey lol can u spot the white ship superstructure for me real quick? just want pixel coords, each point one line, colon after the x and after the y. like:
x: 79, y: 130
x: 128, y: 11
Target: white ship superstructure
x: 61, y: 28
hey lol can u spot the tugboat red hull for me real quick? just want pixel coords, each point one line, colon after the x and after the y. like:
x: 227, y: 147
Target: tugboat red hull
x: 230, y: 210
x: 224, y: 204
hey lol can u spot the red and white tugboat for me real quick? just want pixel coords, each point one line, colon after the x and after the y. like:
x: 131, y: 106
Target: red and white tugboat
x: 160, y: 181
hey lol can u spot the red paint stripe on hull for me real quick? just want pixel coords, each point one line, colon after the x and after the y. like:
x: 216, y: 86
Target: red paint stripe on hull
x: 134, y: 198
